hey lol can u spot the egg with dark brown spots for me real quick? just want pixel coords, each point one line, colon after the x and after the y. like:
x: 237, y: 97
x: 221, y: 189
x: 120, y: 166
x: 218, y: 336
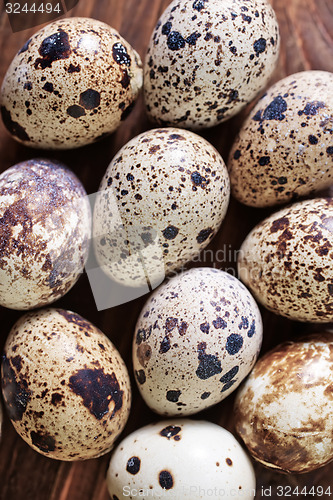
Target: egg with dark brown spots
x: 190, y: 459
x: 196, y: 339
x: 286, y: 261
x: 65, y: 386
x: 283, y: 412
x: 44, y: 233
x: 72, y: 83
x: 285, y: 148
x: 207, y: 59
x: 160, y: 202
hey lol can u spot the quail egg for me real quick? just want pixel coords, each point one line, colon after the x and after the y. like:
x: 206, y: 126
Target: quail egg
x: 285, y: 147
x: 70, y: 84
x: 192, y: 460
x: 196, y: 339
x: 44, y: 233
x: 207, y: 59
x: 283, y: 412
x: 65, y: 387
x: 286, y: 261
x: 161, y: 201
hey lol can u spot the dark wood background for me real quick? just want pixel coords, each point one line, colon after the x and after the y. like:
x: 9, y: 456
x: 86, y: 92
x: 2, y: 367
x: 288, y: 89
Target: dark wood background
x: 307, y: 43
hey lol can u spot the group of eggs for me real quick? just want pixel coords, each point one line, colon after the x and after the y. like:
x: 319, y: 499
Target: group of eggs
x: 165, y: 194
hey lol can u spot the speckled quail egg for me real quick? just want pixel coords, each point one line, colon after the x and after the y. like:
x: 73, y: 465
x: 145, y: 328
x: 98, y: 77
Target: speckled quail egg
x: 191, y: 459
x: 65, y: 387
x: 283, y: 412
x: 285, y: 147
x: 207, y: 59
x: 286, y: 261
x: 163, y: 198
x: 197, y: 337
x: 44, y: 233
x: 70, y: 84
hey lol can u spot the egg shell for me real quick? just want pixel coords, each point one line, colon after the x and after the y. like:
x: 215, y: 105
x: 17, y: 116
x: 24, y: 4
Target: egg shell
x: 163, y: 197
x: 286, y: 261
x: 207, y: 59
x: 192, y: 460
x: 196, y: 339
x: 283, y: 411
x: 285, y: 147
x: 70, y: 84
x: 65, y: 386
x: 44, y: 232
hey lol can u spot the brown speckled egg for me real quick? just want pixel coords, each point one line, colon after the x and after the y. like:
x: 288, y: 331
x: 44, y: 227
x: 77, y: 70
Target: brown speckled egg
x: 196, y: 339
x: 286, y: 261
x: 44, y: 233
x: 65, y: 387
x: 161, y: 200
x: 70, y: 84
x: 285, y: 147
x: 283, y: 412
x: 181, y: 459
x: 207, y: 59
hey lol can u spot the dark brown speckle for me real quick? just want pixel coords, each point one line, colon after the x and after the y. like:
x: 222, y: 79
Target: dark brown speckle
x: 43, y: 441
x: 165, y: 479
x: 97, y: 389
x: 53, y: 48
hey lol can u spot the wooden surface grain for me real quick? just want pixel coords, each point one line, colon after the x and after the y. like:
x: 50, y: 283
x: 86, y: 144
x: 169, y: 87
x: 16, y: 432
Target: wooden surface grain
x: 307, y: 43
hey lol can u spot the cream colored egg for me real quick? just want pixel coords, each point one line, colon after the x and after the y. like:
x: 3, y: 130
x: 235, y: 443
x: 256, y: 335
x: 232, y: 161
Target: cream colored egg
x: 191, y: 460
x: 283, y: 412
x: 285, y: 148
x: 65, y: 386
x: 44, y: 233
x: 70, y: 84
x: 196, y: 339
x: 160, y: 202
x: 207, y: 59
x: 286, y: 261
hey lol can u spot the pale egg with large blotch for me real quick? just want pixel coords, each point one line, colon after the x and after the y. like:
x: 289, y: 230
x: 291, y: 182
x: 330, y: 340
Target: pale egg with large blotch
x: 191, y: 459
x: 65, y: 386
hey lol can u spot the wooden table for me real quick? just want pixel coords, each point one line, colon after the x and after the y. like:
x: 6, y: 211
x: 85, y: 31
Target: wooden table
x: 307, y: 43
